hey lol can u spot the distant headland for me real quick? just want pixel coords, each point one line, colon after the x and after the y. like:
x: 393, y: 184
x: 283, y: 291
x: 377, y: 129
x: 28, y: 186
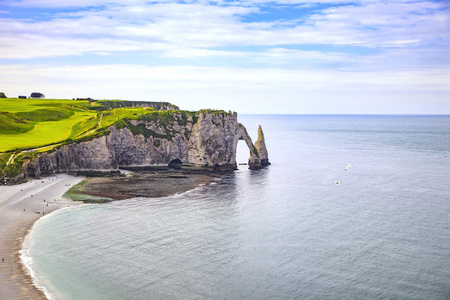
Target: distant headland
x: 41, y: 137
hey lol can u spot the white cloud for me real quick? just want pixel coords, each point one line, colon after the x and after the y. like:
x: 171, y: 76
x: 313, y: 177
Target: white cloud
x: 90, y: 3
x: 276, y: 56
x: 205, y: 26
x: 57, y: 4
x: 234, y: 88
x: 34, y: 46
x: 401, y: 49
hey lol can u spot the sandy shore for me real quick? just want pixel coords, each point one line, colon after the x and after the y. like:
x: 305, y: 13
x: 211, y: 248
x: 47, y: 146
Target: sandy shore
x: 20, y: 206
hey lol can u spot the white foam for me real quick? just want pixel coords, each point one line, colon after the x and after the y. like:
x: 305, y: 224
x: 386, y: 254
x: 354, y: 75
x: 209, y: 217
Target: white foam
x: 200, y: 187
x: 27, y: 260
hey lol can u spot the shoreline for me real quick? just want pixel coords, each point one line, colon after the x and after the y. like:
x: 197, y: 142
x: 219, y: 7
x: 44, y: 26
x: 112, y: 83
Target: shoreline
x: 133, y: 184
x: 27, y: 261
x: 22, y: 205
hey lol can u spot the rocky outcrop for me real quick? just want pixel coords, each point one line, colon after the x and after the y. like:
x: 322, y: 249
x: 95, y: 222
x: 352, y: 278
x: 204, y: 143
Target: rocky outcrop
x: 260, y: 146
x: 213, y: 140
x: 92, y: 155
x: 254, y: 161
x: 203, y: 140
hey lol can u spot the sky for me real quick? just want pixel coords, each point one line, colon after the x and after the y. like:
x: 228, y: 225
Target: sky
x: 249, y: 56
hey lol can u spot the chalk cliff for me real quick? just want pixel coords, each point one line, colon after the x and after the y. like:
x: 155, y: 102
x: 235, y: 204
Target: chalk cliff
x: 260, y: 146
x: 206, y: 139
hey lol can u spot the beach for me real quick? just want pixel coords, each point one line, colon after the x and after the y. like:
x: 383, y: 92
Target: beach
x: 20, y: 206
x: 140, y: 184
x: 23, y: 204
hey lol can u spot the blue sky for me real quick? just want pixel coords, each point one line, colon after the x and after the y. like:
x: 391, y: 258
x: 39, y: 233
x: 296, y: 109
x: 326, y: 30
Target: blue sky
x: 254, y: 56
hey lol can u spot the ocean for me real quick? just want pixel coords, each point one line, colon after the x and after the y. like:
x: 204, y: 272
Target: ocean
x: 303, y: 228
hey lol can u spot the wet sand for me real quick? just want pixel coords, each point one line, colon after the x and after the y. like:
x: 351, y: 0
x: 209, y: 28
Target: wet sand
x: 20, y: 206
x: 139, y: 184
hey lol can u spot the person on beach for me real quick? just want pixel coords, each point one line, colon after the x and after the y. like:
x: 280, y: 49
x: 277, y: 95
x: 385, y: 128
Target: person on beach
x: 3, y: 259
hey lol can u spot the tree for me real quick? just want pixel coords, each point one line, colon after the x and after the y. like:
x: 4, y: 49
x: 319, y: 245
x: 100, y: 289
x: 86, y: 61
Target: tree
x: 37, y: 95
x: 2, y: 95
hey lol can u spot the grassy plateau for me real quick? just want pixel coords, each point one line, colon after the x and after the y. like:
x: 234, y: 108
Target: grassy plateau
x: 32, y: 126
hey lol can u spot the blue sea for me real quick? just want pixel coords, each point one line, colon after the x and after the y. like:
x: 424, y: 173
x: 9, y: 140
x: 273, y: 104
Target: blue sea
x: 303, y: 228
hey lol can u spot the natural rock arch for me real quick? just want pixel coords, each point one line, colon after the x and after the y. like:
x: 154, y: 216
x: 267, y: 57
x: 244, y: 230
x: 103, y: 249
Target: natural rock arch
x: 258, y: 152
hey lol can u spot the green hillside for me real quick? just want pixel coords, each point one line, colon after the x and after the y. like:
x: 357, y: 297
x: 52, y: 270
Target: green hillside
x: 12, y: 124
x: 32, y: 126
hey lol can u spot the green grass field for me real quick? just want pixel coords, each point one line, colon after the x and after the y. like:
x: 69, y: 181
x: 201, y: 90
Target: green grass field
x: 31, y: 123
x: 14, y: 105
x: 42, y: 124
x: 43, y: 133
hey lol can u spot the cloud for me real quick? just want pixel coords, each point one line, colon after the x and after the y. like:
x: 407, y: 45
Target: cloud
x: 248, y: 90
x: 112, y: 76
x: 387, y: 24
x: 56, y: 4
x: 204, y: 26
x: 199, y: 50
x: 90, y: 3
x: 165, y: 27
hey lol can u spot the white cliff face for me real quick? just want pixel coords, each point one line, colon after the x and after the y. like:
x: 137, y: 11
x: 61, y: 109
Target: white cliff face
x: 208, y: 139
x: 137, y: 150
x: 90, y: 155
x: 214, y: 140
